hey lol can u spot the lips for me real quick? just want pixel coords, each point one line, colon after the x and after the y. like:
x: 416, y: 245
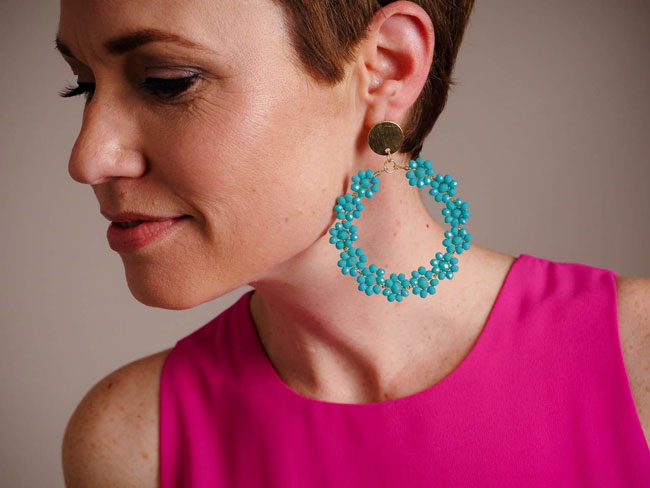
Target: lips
x: 139, y: 233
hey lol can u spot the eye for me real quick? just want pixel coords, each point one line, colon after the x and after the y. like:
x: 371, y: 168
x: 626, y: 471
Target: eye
x: 164, y: 88
x: 167, y: 88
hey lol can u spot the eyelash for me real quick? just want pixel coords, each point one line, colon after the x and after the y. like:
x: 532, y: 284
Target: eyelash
x: 163, y: 88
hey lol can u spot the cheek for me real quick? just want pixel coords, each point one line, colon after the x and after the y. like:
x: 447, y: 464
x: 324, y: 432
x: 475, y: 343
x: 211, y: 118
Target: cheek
x: 247, y: 169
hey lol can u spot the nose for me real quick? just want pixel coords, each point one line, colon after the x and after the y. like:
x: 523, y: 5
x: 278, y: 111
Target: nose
x: 107, y: 144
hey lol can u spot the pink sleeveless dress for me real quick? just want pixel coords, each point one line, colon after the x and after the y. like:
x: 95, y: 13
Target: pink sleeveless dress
x: 542, y: 400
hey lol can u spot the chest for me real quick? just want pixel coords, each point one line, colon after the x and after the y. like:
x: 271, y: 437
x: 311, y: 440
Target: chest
x: 477, y: 431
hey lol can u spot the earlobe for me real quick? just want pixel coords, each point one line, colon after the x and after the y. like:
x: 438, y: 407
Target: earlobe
x: 379, y: 103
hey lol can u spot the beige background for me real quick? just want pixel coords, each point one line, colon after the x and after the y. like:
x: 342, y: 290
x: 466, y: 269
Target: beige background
x: 546, y: 134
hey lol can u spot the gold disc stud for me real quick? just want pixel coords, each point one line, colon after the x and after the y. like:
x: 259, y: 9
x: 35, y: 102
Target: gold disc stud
x: 386, y: 135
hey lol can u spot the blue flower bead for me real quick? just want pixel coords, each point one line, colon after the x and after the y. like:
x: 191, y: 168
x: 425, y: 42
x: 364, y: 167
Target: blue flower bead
x: 420, y: 173
x: 443, y: 186
x: 456, y: 212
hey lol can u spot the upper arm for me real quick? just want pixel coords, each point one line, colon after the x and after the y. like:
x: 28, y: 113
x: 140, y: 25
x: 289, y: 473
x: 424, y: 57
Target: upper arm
x: 111, y: 439
x: 633, y: 295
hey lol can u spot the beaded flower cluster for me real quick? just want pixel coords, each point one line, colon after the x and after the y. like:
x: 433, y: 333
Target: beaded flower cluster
x: 372, y: 279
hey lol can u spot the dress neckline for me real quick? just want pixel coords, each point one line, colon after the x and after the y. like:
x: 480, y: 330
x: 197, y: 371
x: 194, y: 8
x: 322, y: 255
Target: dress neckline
x: 278, y: 384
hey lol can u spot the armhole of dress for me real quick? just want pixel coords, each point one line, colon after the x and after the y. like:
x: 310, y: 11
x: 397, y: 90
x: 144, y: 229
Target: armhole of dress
x: 162, y: 396
x: 621, y: 359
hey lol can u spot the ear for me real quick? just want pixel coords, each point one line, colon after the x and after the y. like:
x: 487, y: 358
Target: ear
x: 395, y: 59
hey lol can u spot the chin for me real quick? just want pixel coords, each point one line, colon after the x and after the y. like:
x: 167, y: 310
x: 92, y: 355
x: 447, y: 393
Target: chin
x: 166, y: 298
x: 180, y: 293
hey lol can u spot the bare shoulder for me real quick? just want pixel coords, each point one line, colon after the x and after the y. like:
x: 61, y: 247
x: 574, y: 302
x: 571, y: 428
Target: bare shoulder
x: 112, y: 436
x: 633, y: 296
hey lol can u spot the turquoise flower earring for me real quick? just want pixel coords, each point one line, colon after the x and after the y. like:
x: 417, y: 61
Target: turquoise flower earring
x: 386, y: 138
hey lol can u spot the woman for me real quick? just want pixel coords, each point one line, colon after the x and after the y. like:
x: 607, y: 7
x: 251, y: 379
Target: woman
x: 223, y: 134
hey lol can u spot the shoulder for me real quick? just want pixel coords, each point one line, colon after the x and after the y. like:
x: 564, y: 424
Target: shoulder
x: 111, y: 439
x: 633, y: 296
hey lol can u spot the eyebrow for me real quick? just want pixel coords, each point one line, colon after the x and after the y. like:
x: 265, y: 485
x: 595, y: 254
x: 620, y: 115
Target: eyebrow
x: 132, y: 40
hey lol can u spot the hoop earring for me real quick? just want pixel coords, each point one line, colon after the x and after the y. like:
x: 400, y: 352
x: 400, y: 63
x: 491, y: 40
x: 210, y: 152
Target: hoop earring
x: 386, y: 138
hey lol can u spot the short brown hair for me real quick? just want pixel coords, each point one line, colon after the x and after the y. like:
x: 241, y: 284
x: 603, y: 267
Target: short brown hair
x: 325, y: 33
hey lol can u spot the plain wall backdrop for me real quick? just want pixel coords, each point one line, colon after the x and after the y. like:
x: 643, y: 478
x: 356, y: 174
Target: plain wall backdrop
x: 546, y: 133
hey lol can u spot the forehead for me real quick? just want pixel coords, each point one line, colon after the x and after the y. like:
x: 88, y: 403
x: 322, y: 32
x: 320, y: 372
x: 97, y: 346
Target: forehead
x: 223, y: 25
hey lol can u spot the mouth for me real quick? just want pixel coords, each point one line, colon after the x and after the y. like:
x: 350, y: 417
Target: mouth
x: 135, y: 223
x: 131, y: 236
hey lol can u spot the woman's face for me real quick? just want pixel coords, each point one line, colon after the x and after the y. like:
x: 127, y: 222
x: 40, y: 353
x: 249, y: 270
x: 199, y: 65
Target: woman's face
x: 254, y: 152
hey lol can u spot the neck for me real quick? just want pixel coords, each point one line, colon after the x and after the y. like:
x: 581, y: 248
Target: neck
x: 326, y: 339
